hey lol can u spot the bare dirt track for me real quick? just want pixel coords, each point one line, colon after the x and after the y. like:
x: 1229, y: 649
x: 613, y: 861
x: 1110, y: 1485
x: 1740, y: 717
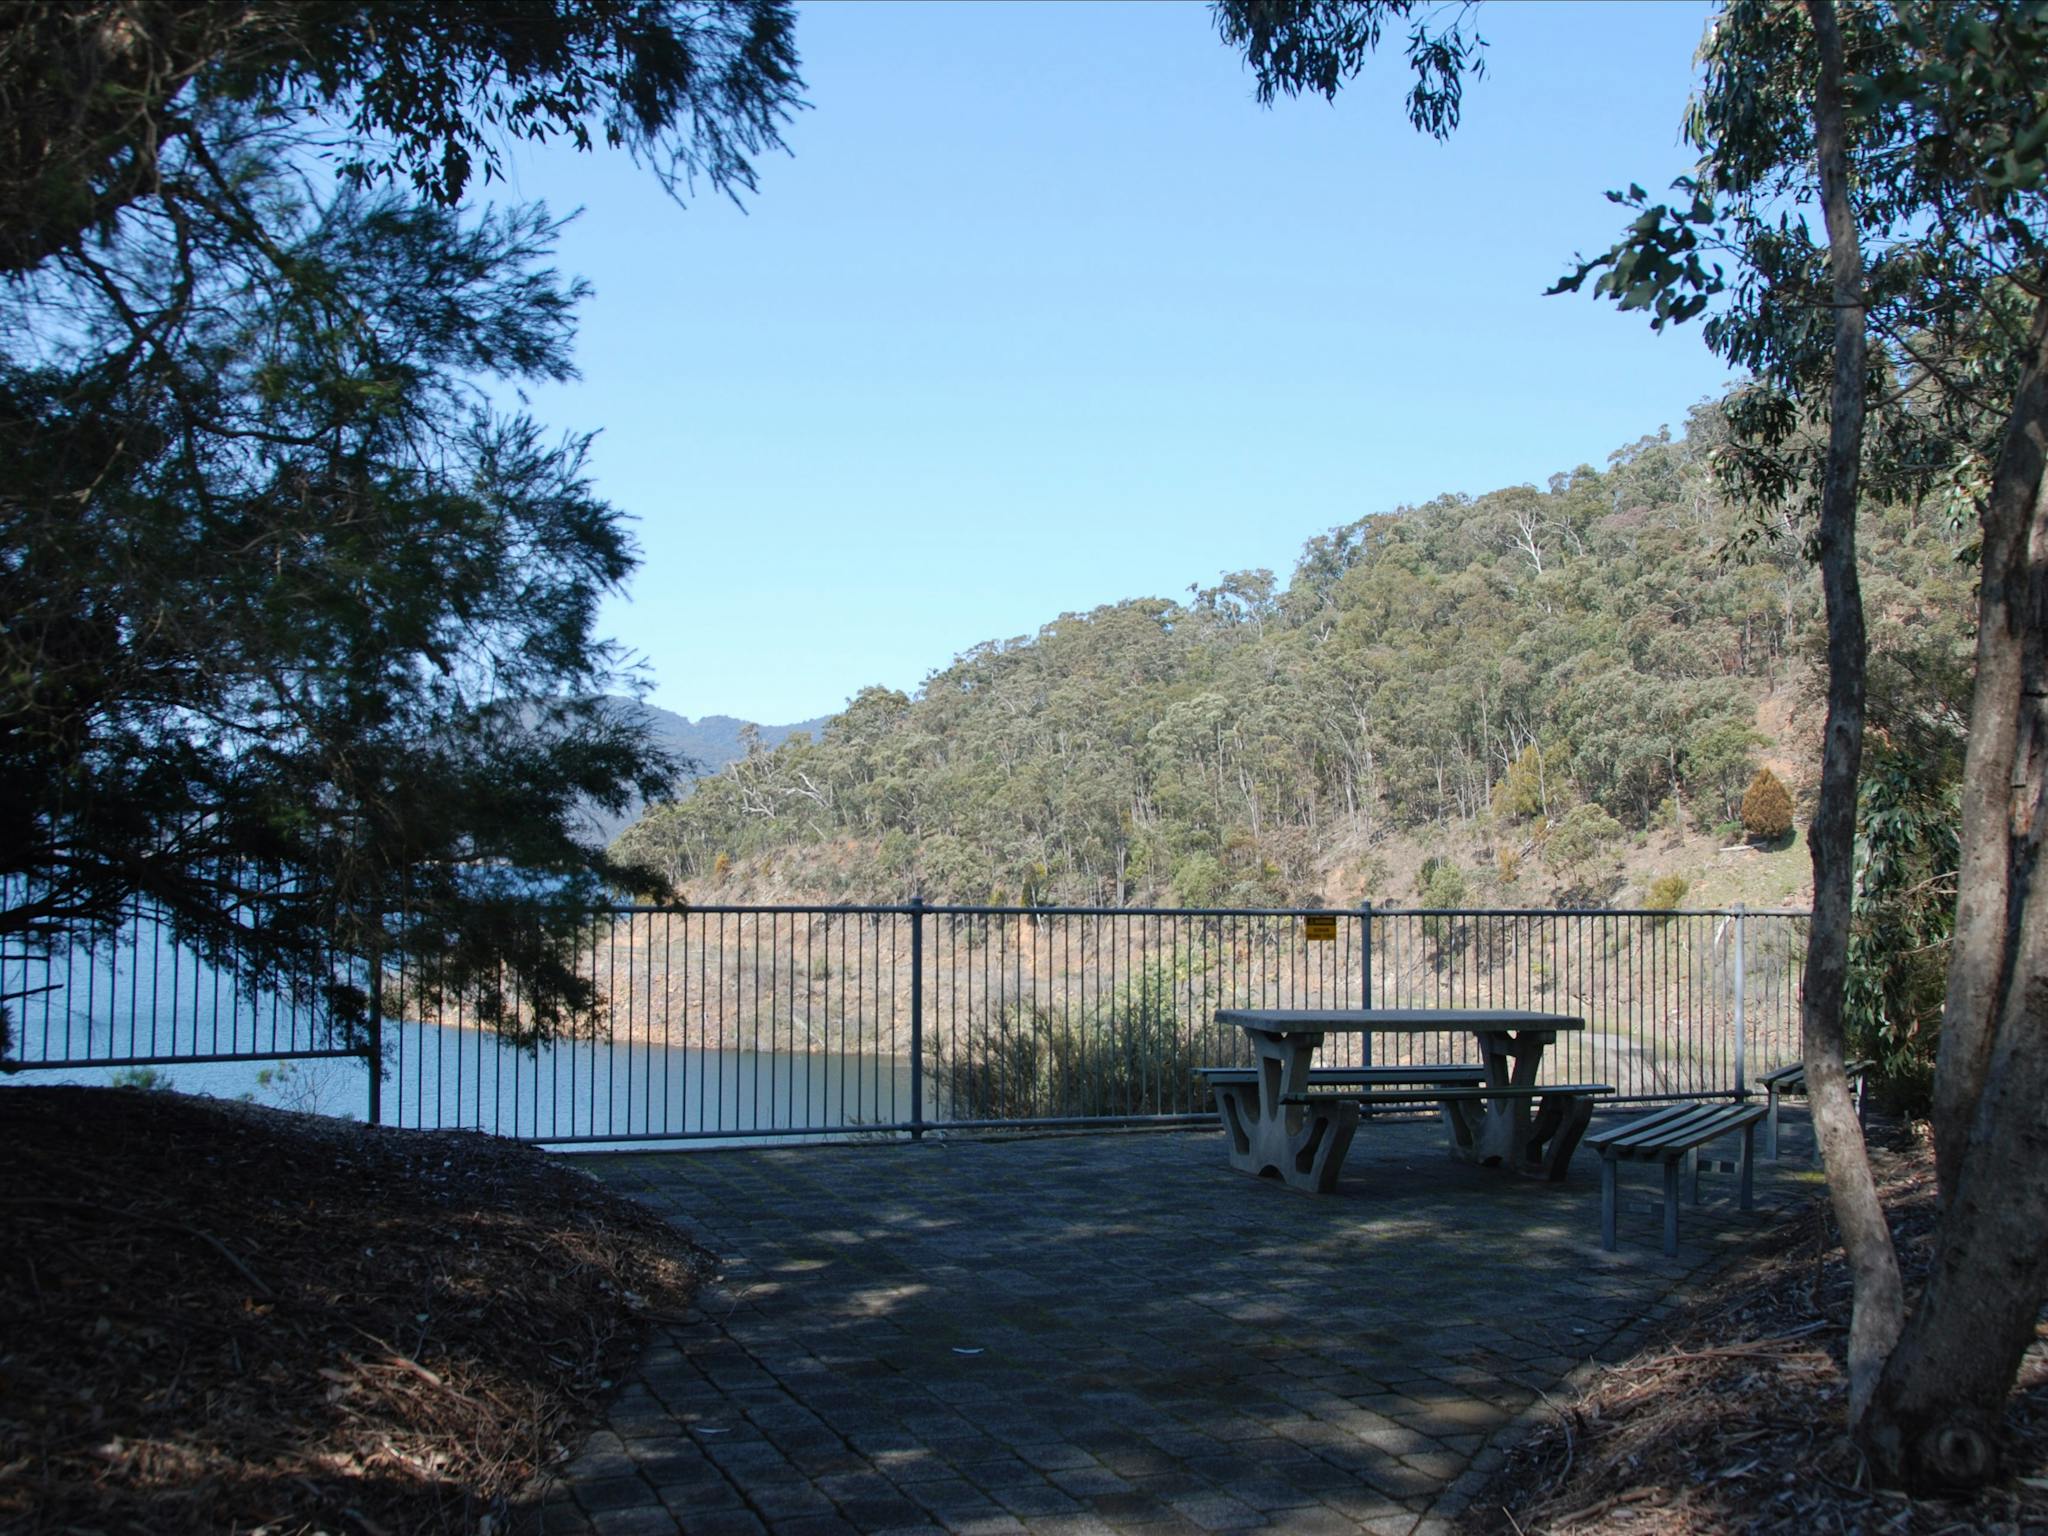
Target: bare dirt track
x: 218, y: 1317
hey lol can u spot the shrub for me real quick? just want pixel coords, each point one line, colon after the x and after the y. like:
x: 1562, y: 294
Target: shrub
x: 1766, y: 807
x: 1133, y: 1054
x: 1666, y: 892
x: 1442, y: 885
x: 1580, y: 838
x: 1521, y: 792
x: 1198, y: 880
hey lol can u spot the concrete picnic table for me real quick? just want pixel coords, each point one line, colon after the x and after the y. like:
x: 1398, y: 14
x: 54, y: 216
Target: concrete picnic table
x: 1303, y: 1142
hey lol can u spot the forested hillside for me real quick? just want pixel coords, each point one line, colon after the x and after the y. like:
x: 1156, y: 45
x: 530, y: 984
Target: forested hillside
x: 1502, y: 691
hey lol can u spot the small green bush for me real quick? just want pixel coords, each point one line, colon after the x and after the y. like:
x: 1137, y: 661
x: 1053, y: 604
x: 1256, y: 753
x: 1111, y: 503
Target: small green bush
x: 1666, y: 892
x: 1198, y: 880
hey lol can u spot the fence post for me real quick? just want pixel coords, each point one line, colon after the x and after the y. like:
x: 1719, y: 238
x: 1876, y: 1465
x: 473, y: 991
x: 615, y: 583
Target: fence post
x: 1365, y: 975
x: 1741, y: 1022
x: 917, y: 1018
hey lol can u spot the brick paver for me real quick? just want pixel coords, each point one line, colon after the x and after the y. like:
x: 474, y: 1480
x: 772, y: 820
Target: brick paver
x: 1115, y: 1333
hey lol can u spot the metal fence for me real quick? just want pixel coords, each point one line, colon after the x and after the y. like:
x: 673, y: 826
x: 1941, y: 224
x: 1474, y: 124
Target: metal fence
x: 740, y: 1022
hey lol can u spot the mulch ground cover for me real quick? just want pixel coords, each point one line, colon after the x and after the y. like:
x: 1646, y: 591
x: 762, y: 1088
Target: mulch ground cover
x: 217, y: 1317
x: 1732, y: 1420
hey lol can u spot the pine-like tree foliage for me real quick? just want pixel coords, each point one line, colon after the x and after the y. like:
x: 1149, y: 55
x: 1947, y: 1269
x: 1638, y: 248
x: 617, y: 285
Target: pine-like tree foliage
x: 295, y: 629
x: 298, y: 640
x: 1766, y: 807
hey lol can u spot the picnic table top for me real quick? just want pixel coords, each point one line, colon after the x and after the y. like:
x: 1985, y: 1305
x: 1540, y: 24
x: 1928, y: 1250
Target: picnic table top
x: 1280, y: 1021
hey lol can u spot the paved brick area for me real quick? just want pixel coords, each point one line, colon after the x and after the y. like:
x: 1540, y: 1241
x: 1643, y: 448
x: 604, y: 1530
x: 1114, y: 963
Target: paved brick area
x: 1115, y: 1333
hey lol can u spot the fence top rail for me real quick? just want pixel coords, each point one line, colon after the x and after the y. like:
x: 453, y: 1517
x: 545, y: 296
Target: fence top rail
x: 953, y: 909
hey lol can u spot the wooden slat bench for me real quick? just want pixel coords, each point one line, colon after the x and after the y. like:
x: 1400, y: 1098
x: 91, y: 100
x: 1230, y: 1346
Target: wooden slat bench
x: 1562, y: 1115
x: 1792, y: 1079
x: 1671, y: 1136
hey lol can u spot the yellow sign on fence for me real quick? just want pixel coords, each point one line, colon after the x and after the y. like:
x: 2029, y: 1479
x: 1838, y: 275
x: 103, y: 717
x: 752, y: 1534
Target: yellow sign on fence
x: 1319, y: 929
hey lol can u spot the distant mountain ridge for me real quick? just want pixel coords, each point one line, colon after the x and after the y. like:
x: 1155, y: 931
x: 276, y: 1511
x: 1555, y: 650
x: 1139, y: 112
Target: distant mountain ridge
x: 714, y: 741
x: 707, y: 745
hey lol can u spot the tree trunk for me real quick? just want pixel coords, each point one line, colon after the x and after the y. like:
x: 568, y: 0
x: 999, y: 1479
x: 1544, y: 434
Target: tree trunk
x: 1879, y: 1306
x: 1940, y: 1405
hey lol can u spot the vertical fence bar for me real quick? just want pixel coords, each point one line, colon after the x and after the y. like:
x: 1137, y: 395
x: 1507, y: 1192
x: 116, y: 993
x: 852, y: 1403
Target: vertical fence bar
x: 373, y: 1048
x: 1741, y: 1018
x: 1365, y: 976
x: 917, y: 1018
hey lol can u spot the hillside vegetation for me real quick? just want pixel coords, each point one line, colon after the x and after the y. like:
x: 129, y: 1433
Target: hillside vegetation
x: 1532, y: 695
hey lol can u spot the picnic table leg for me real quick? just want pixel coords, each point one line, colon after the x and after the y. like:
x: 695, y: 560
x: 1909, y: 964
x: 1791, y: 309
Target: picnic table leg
x: 1692, y: 1171
x: 1464, y: 1120
x: 1555, y: 1133
x: 1303, y: 1146
x: 1670, y: 1206
x: 1498, y: 1131
x: 1748, y: 1160
x: 1771, y: 1124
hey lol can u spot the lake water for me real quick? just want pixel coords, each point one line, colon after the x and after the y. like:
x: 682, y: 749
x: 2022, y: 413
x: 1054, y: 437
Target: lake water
x: 585, y: 1092
x: 150, y: 998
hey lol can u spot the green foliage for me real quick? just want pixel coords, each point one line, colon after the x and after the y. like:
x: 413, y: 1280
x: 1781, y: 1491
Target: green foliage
x: 1198, y: 880
x: 1666, y: 892
x: 1133, y: 1055
x: 1903, y: 912
x: 1946, y: 150
x: 1581, y: 837
x: 1767, y: 807
x: 101, y: 93
x: 1523, y: 792
x: 1717, y: 764
x: 1316, y: 45
x: 299, y: 628
x: 1441, y: 885
x: 300, y: 645
x: 146, y: 1079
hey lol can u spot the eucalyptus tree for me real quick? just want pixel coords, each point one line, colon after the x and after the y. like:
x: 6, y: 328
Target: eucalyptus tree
x: 1915, y: 328
x: 1916, y: 132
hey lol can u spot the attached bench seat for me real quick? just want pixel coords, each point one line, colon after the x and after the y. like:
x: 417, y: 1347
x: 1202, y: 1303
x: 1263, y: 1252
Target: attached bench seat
x: 1447, y: 1072
x: 1792, y: 1079
x: 1544, y: 1143
x: 1479, y: 1088
x: 1319, y: 1136
x: 1669, y: 1136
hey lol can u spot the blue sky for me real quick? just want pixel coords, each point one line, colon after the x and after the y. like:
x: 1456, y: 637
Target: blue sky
x: 1045, y: 311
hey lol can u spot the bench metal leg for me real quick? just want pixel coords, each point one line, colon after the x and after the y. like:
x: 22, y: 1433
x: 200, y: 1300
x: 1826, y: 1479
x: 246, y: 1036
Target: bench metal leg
x: 1670, y: 1206
x: 1771, y: 1125
x: 1607, y: 1203
x: 1748, y: 1166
